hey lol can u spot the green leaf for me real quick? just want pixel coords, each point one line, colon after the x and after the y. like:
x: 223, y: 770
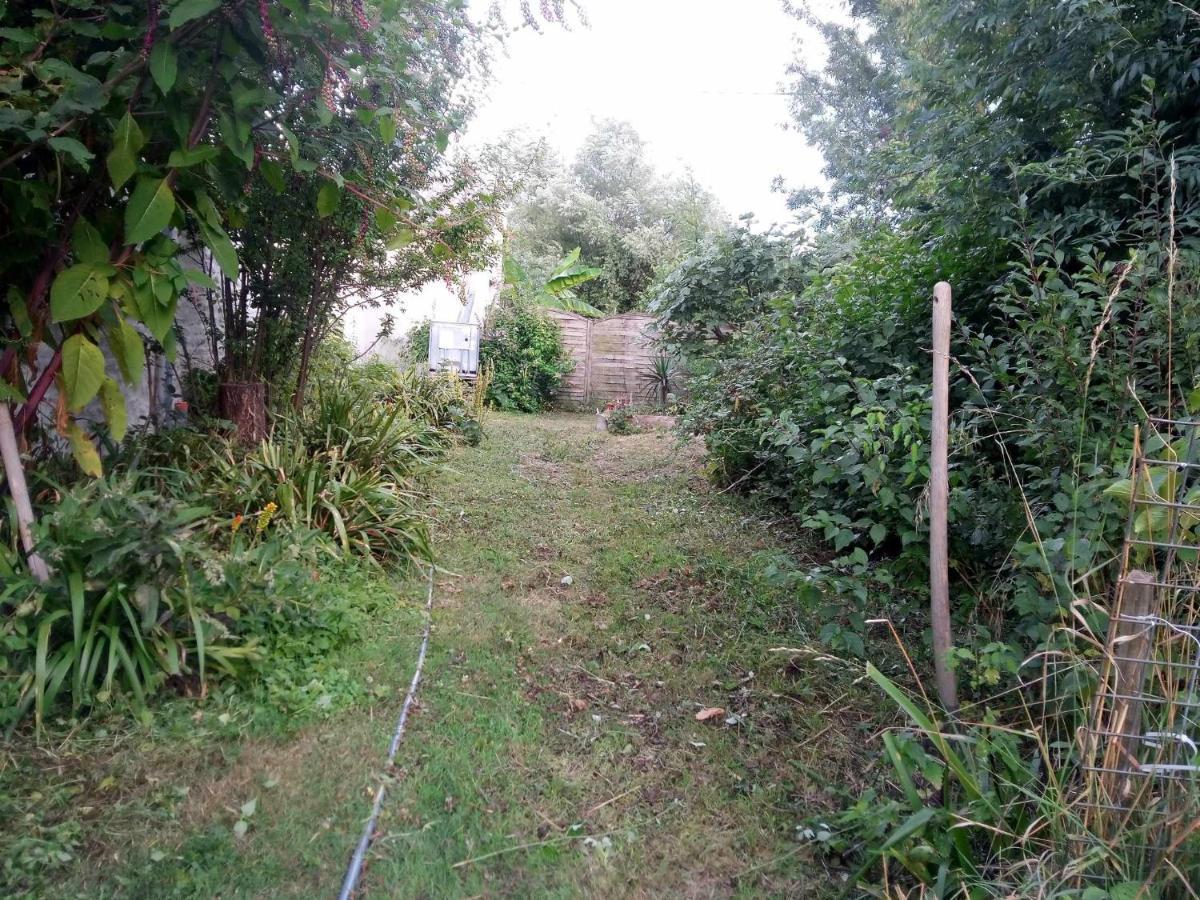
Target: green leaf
x: 128, y: 350
x: 88, y: 244
x: 565, y: 300
x: 149, y: 210
x: 385, y: 219
x: 9, y: 394
x: 235, y: 133
x: 909, y: 827
x: 113, y: 403
x: 128, y: 141
x: 200, y: 279
x: 77, y: 292
x: 156, y: 316
x: 72, y: 148
x: 19, y: 311
x: 164, y: 66
x: 328, y: 199
x: 272, y: 174
x: 181, y: 159
x: 403, y: 238
x: 222, y: 248
x: 83, y: 370
x: 186, y: 10
x: 387, y: 129
x: 84, y: 451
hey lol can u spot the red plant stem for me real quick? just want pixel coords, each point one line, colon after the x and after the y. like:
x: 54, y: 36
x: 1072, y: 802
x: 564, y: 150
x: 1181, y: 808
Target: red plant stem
x: 26, y: 413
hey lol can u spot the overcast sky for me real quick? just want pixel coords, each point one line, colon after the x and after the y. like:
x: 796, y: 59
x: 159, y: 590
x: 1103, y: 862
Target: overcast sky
x: 698, y: 79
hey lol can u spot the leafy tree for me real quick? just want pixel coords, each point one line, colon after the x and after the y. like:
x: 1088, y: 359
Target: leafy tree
x: 628, y: 221
x: 132, y: 125
x: 934, y: 107
x: 725, y: 283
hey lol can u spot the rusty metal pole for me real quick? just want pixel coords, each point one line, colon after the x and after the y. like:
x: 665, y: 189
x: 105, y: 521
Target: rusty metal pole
x: 939, y: 501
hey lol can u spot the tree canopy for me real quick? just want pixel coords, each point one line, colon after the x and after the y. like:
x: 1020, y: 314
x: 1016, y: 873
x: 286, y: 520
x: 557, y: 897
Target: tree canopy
x: 627, y: 219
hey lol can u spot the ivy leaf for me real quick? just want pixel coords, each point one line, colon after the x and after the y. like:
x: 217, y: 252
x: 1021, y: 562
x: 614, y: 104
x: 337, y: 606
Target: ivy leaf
x: 128, y: 350
x: 88, y: 243
x: 164, y: 66
x: 84, y: 451
x: 115, y: 413
x: 187, y: 10
x: 149, y: 210
x: 328, y: 199
x: 77, y: 292
x: 72, y: 148
x: 83, y: 370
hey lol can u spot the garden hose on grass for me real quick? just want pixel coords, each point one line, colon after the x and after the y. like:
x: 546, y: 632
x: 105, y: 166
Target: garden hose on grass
x: 354, y: 872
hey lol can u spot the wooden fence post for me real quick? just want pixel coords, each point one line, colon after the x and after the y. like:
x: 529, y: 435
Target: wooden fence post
x: 939, y: 501
x: 15, y: 473
x: 1131, y: 641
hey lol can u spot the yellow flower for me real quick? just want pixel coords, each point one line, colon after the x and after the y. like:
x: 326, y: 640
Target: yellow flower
x: 264, y: 517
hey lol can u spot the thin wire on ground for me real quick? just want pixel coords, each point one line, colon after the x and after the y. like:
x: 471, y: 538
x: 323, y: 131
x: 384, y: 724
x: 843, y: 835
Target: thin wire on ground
x: 354, y: 872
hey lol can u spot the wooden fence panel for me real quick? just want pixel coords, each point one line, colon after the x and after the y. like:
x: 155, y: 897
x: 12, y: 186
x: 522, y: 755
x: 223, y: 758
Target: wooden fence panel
x: 610, y: 357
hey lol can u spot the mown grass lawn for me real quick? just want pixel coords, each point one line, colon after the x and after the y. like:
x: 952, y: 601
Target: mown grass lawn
x: 595, y: 594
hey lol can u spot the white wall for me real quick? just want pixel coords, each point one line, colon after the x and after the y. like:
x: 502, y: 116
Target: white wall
x: 437, y: 302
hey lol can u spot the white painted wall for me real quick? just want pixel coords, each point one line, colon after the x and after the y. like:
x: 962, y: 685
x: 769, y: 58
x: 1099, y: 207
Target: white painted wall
x: 467, y: 302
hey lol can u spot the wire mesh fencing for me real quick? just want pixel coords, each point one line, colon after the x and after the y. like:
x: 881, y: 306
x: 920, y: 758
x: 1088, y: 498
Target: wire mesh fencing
x: 1142, y: 748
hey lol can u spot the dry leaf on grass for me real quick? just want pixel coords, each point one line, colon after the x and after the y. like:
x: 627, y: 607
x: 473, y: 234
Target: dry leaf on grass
x: 711, y: 712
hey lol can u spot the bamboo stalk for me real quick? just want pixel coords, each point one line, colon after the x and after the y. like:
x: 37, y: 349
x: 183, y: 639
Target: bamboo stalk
x: 939, y: 501
x: 20, y: 494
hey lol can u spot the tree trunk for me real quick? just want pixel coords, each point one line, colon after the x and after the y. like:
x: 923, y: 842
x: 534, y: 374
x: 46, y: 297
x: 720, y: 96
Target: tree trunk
x: 302, y: 372
x: 245, y: 405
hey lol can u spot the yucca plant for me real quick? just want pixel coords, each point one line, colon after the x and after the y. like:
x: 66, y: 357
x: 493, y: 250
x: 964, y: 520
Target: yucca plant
x: 658, y: 379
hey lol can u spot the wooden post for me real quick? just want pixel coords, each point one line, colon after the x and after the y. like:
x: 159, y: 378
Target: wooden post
x: 15, y: 473
x: 939, y: 501
x: 1132, y: 642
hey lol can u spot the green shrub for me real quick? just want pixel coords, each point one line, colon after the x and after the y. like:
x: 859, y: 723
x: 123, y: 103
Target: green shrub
x: 620, y: 420
x: 197, y: 559
x: 524, y: 347
x: 138, y: 597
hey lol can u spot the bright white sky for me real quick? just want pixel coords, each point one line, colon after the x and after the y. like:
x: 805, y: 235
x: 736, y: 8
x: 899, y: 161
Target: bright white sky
x: 698, y: 79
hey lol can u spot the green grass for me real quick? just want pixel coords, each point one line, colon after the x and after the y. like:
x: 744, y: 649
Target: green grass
x: 555, y: 750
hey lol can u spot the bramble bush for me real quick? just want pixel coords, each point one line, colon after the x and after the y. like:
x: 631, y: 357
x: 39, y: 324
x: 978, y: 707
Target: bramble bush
x: 1068, y: 333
